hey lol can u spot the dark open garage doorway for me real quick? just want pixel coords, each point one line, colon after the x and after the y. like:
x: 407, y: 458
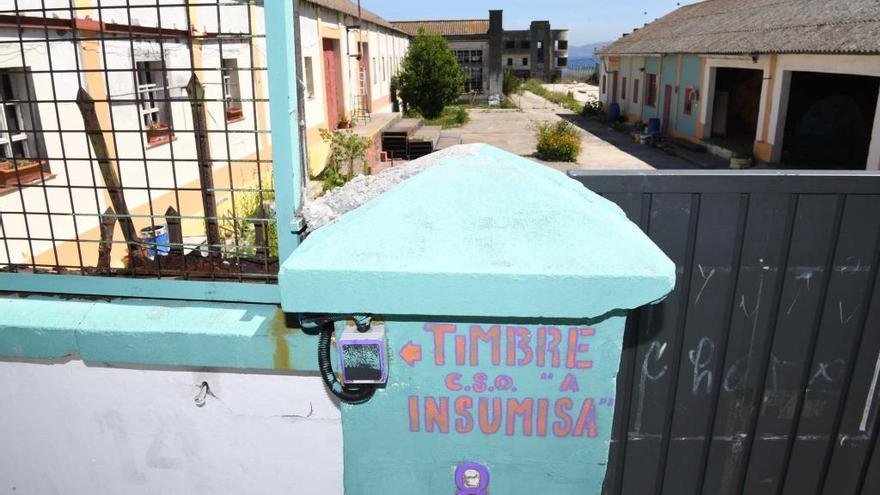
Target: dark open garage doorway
x: 736, y: 107
x: 829, y: 120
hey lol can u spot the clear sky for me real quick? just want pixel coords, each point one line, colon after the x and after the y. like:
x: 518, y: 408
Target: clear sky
x: 588, y: 21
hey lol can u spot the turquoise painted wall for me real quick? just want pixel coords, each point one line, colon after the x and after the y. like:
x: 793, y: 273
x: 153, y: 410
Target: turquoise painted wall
x: 652, y: 66
x: 538, y: 414
x: 690, y: 76
x: 667, y: 76
x: 533, y: 270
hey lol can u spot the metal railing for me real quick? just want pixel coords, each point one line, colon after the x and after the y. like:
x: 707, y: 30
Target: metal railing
x: 137, y: 142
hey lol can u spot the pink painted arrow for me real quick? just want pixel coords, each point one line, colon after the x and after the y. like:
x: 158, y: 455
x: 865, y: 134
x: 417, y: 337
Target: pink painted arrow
x: 411, y: 353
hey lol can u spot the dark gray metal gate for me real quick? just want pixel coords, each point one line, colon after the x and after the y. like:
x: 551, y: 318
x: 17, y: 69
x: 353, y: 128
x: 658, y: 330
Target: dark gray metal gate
x: 759, y: 373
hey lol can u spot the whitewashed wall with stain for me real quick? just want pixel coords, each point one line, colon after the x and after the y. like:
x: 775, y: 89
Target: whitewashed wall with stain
x: 71, y: 428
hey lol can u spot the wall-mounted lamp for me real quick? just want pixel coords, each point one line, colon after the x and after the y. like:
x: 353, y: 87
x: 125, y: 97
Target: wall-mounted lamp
x: 754, y: 58
x: 641, y: 69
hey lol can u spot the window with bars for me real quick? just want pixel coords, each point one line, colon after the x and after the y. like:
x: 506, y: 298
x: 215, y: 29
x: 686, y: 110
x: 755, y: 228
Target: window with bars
x: 95, y: 100
x: 20, y: 157
x: 310, y: 78
x: 231, y: 90
x: 14, y: 140
x: 474, y: 81
x: 155, y: 104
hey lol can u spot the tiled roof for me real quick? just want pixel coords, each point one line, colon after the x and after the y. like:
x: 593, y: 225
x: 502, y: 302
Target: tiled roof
x: 760, y: 26
x: 466, y: 27
x: 350, y: 8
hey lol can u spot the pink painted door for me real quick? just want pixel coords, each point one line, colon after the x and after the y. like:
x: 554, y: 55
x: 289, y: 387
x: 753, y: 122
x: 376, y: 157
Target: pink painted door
x: 667, y: 103
x: 331, y: 84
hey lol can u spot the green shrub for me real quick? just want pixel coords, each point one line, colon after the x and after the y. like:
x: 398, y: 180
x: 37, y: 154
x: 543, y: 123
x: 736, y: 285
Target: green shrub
x: 592, y: 108
x: 461, y: 116
x: 239, y: 234
x: 346, y: 148
x: 453, y: 116
x: 510, y: 84
x: 430, y: 77
x: 558, y: 141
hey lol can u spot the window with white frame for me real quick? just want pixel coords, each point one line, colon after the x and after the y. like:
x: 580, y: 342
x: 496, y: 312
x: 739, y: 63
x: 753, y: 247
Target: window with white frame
x: 152, y: 93
x: 15, y: 140
x: 383, y: 69
x: 310, y: 78
x: 231, y: 90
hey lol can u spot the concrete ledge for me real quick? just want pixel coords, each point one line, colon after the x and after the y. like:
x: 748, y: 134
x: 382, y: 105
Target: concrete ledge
x: 153, y: 333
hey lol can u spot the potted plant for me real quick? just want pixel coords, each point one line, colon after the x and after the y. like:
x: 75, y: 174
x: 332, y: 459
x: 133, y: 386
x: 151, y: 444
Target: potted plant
x: 741, y: 160
x: 343, y: 122
x: 234, y: 114
x: 158, y: 132
x: 19, y: 172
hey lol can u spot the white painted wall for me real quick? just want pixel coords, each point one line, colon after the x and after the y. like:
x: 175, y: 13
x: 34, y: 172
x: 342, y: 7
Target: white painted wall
x: 387, y: 47
x: 76, y: 429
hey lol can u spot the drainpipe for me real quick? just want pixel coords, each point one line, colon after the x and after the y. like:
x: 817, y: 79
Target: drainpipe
x: 301, y: 107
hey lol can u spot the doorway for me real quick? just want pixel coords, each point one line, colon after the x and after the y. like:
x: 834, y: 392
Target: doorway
x: 332, y: 83
x: 364, y: 91
x: 829, y: 120
x: 735, y: 108
x: 667, y: 105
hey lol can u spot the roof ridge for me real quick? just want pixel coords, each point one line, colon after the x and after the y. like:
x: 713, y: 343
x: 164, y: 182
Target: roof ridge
x: 440, y: 20
x: 769, y: 28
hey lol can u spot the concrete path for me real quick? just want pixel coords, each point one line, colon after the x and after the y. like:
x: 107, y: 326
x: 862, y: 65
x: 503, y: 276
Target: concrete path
x: 603, y: 148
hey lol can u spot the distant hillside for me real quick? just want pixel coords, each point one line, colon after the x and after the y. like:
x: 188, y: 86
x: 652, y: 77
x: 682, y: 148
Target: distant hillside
x: 584, y: 55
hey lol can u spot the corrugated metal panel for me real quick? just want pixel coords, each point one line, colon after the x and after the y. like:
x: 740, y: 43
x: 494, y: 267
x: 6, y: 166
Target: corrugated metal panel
x: 758, y: 373
x: 474, y: 27
x: 760, y: 26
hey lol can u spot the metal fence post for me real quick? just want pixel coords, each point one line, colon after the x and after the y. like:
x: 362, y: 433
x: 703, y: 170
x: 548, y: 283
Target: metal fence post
x: 282, y: 69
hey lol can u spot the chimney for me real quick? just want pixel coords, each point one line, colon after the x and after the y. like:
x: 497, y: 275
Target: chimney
x: 495, y: 23
x: 496, y: 39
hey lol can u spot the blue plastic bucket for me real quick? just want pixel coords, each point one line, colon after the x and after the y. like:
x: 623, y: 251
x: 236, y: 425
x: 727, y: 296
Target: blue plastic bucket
x: 653, y: 126
x: 614, y: 112
x: 156, y: 239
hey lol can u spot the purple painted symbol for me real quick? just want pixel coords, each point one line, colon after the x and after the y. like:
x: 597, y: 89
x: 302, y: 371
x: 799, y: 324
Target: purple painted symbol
x: 471, y: 478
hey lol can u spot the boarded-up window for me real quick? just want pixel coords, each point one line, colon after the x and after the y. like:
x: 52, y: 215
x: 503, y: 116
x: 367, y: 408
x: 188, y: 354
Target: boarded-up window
x: 623, y: 90
x: 635, y: 90
x: 651, y: 90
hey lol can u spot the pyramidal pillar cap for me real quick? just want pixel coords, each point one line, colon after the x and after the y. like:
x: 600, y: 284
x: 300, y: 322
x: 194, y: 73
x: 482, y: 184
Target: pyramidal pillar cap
x: 480, y: 233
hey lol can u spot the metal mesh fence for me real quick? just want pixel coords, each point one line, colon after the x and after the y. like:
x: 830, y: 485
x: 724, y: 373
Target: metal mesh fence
x: 134, y: 139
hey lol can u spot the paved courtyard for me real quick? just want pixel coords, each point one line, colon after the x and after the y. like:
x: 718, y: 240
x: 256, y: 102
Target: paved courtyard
x: 603, y: 148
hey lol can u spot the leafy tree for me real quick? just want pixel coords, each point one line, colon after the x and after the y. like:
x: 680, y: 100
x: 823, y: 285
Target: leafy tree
x: 430, y: 77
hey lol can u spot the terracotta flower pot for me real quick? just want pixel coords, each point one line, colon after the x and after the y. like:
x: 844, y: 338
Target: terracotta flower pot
x: 158, y: 133
x: 234, y: 114
x: 25, y: 171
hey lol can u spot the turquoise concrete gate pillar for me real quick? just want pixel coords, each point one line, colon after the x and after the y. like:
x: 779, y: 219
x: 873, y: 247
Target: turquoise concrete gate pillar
x: 502, y: 285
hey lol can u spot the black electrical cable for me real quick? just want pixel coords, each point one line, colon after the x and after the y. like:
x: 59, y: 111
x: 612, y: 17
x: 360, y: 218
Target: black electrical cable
x: 350, y: 395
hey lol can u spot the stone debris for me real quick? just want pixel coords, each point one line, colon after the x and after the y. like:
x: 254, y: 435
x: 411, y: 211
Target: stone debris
x: 363, y: 188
